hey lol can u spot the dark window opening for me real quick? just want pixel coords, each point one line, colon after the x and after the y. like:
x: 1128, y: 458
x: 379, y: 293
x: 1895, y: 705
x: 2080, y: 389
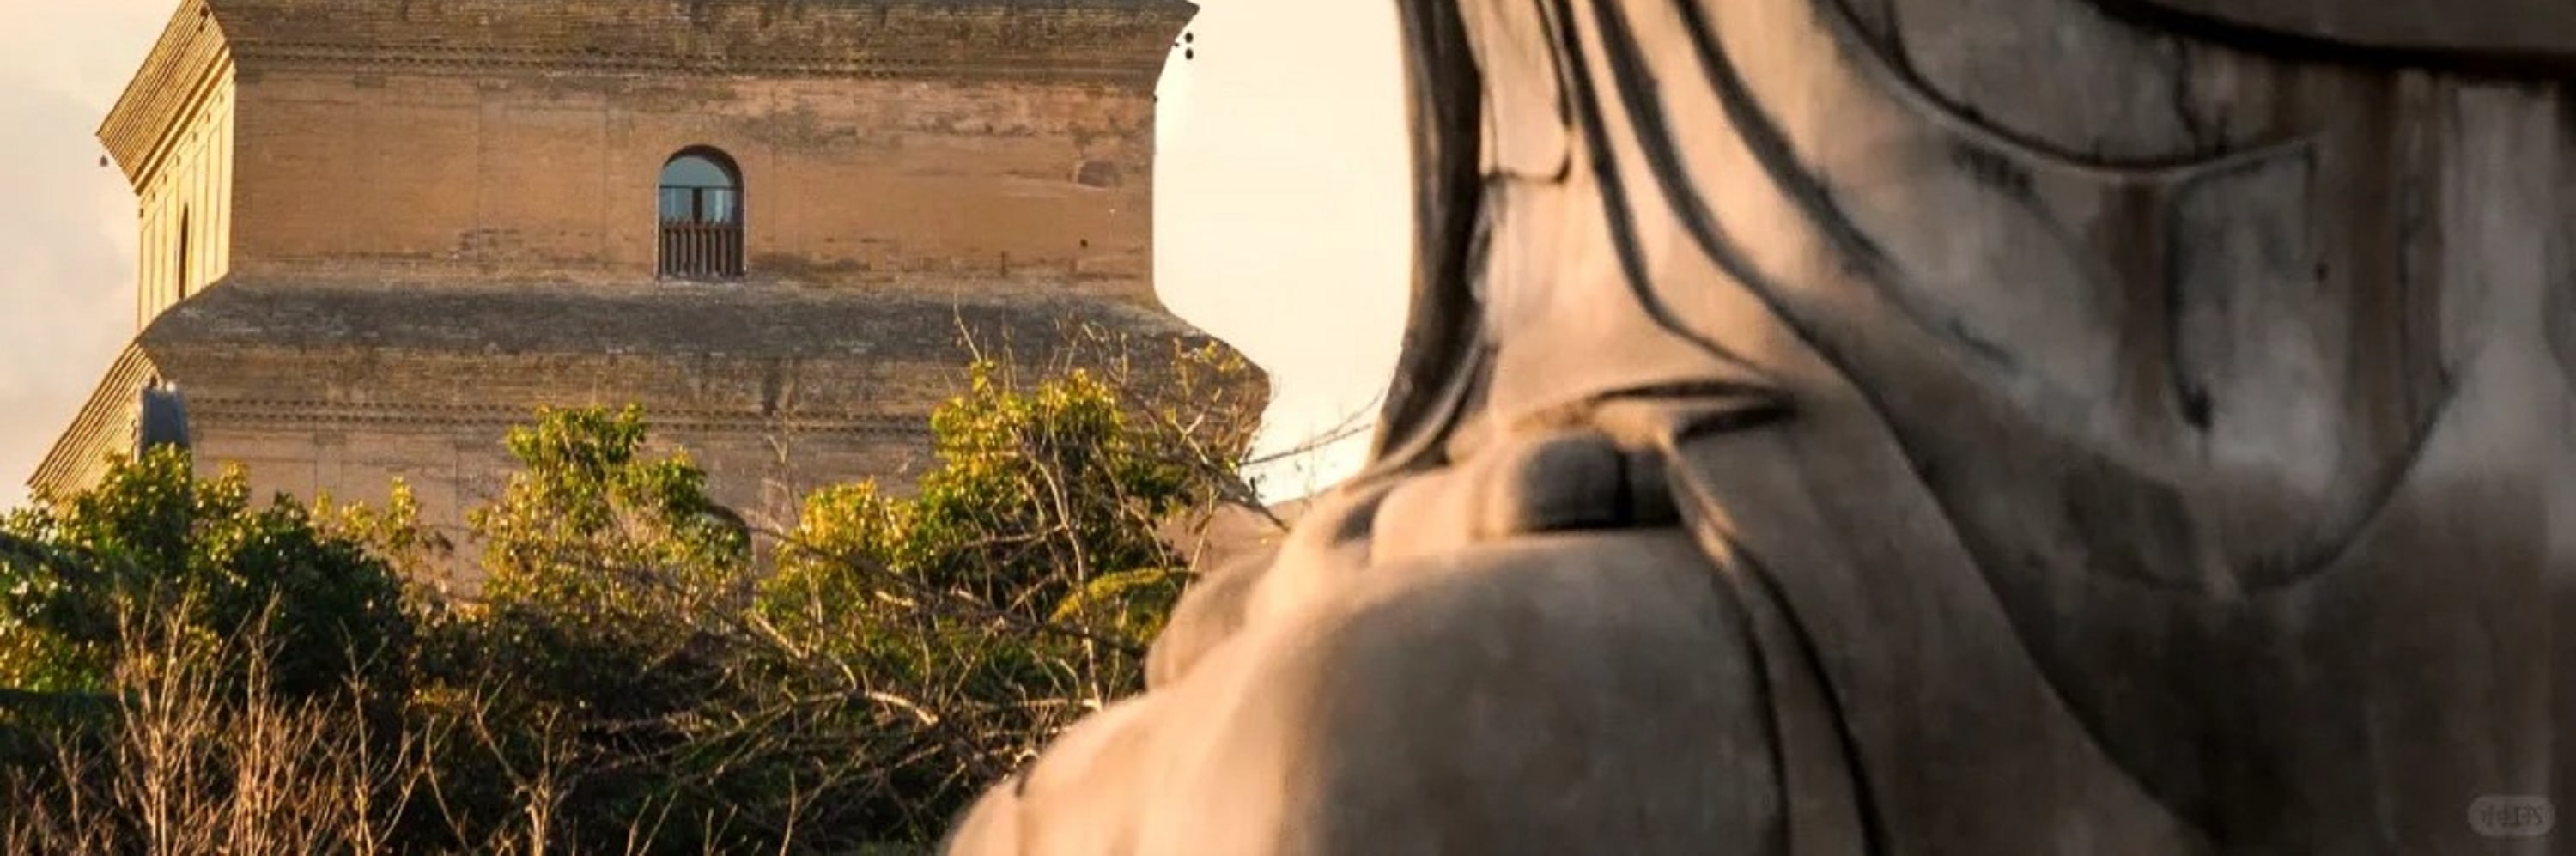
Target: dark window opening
x: 701, y: 216
x: 180, y: 272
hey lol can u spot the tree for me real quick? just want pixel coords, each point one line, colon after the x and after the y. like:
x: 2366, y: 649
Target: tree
x: 185, y: 669
x: 1020, y: 584
x: 153, y: 535
x: 606, y: 563
x: 603, y: 639
x: 630, y: 677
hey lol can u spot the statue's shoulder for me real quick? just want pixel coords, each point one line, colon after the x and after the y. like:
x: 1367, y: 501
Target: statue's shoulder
x: 1517, y: 652
x: 1517, y: 696
x: 1534, y: 695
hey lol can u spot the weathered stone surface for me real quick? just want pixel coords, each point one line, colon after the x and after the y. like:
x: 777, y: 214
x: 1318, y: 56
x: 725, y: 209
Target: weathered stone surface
x: 1944, y: 426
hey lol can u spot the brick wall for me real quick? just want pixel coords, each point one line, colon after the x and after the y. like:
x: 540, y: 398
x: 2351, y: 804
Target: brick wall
x: 546, y: 176
x: 452, y: 468
x: 352, y: 423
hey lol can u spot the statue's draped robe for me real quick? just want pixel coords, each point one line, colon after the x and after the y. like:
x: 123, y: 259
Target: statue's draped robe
x: 1920, y: 426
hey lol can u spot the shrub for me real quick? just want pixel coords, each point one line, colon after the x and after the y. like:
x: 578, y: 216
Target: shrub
x: 181, y: 670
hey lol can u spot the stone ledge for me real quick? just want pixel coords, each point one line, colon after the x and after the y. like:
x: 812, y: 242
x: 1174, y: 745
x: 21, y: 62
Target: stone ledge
x: 307, y: 413
x: 655, y: 319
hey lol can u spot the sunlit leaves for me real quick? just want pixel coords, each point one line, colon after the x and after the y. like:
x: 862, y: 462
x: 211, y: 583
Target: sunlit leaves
x: 909, y: 646
x: 154, y: 533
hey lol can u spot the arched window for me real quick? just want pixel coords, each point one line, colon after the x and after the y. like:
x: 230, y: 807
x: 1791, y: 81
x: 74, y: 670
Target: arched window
x: 179, y: 270
x: 701, y: 216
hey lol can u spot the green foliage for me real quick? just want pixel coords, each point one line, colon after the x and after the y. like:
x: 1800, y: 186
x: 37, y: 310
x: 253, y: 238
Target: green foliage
x: 159, y: 584
x: 1020, y: 585
x: 1040, y: 494
x: 1131, y: 605
x: 1043, y: 496
x: 631, y: 677
x: 154, y: 533
x: 587, y: 499
x: 612, y: 582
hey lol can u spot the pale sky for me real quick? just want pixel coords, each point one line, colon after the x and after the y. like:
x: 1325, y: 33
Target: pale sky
x: 1280, y: 210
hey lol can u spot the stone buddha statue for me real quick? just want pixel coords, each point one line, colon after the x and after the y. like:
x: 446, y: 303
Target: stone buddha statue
x: 1921, y: 426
